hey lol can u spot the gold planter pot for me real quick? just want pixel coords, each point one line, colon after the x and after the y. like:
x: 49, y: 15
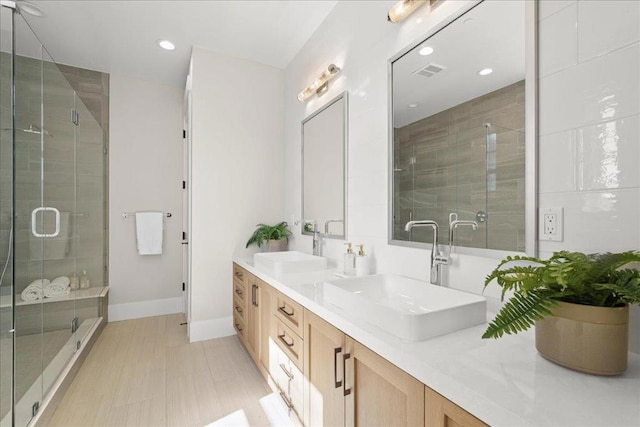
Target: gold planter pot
x: 586, y: 338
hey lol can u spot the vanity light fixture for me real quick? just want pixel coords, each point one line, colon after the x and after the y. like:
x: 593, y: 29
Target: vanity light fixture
x: 427, y: 50
x: 485, y: 72
x: 320, y: 84
x: 402, y: 9
x: 166, y: 44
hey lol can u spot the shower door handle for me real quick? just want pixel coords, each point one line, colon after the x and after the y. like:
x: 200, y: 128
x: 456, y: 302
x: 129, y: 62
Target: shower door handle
x: 34, y: 224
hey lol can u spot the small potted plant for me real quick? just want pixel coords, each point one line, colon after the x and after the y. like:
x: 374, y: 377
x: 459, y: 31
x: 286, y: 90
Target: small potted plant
x: 579, y: 304
x: 271, y: 238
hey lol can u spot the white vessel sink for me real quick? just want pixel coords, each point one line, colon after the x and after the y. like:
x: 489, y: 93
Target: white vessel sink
x: 290, y: 262
x: 409, y: 309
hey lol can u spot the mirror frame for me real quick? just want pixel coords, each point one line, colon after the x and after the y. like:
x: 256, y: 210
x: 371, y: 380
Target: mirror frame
x: 345, y: 153
x: 531, y: 134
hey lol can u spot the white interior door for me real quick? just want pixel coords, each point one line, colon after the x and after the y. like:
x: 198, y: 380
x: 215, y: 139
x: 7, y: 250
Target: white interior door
x: 186, y: 201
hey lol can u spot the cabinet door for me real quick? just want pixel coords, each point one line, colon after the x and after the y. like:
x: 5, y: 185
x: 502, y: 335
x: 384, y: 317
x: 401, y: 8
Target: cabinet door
x: 323, y: 371
x: 380, y: 393
x: 265, y: 309
x: 253, y: 317
x: 441, y: 412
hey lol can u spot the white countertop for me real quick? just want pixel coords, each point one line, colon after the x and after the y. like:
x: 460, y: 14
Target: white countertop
x: 503, y: 382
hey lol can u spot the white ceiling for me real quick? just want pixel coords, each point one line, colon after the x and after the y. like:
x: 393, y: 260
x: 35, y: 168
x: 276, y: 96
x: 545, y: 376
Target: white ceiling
x: 489, y: 36
x: 120, y: 36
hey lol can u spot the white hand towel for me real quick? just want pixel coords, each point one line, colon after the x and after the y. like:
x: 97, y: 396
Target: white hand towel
x: 56, y: 289
x: 33, y: 292
x: 149, y: 232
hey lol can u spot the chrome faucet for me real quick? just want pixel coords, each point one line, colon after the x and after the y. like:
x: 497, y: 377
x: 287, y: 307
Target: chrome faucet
x: 454, y: 223
x: 329, y: 221
x: 436, y: 258
x: 317, y: 247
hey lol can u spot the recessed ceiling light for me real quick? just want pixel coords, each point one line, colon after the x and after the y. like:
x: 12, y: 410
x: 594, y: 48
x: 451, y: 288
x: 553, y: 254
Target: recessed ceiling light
x: 413, y: 105
x: 30, y: 9
x: 427, y: 50
x: 485, y: 72
x: 166, y: 44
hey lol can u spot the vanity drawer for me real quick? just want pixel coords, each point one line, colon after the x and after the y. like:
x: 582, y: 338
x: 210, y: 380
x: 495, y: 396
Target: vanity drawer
x: 239, y: 308
x: 239, y: 325
x: 239, y: 273
x: 289, y: 342
x: 240, y: 290
x: 290, y: 313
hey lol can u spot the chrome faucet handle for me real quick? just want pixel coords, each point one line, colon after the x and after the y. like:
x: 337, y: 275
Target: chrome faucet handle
x: 454, y: 223
x: 329, y: 221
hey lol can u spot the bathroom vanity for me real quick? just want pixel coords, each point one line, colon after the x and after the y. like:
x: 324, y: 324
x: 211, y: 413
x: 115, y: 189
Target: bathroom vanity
x: 332, y: 368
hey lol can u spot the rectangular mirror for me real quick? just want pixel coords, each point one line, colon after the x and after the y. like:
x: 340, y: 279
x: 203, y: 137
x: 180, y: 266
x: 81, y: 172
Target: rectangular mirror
x: 324, y: 168
x: 459, y: 145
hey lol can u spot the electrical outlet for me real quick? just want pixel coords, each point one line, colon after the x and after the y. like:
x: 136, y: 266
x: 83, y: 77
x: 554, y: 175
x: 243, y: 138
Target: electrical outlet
x: 551, y: 224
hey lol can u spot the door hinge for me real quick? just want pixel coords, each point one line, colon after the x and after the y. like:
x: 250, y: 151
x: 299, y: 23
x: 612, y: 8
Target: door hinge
x: 74, y: 325
x: 184, y: 235
x: 184, y: 133
x: 184, y: 286
x: 34, y: 409
x: 75, y: 117
x: 184, y: 184
x: 77, y: 345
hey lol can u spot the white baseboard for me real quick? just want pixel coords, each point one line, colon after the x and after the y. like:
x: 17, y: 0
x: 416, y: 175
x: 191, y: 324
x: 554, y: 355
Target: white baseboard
x: 136, y: 310
x: 210, y: 329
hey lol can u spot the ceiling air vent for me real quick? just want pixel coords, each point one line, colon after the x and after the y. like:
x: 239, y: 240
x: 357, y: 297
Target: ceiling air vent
x: 429, y: 70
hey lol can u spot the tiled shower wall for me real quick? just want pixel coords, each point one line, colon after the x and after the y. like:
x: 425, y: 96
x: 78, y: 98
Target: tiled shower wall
x: 453, y: 162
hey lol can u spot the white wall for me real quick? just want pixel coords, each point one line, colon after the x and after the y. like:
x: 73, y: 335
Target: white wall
x: 145, y: 173
x: 588, y: 121
x: 237, y: 175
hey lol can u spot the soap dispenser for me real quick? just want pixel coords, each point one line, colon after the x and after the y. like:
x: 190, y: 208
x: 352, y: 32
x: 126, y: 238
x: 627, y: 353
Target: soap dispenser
x: 349, y: 261
x: 74, y: 281
x: 363, y: 263
x: 84, y: 280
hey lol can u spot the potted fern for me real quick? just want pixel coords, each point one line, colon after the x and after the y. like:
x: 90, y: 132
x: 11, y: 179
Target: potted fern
x: 578, y: 302
x: 271, y: 238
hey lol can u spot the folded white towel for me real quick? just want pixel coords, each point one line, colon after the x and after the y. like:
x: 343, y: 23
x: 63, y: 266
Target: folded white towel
x: 56, y: 289
x: 149, y: 232
x: 62, y: 279
x: 33, y: 292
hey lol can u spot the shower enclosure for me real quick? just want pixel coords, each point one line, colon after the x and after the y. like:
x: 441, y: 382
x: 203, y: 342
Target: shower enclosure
x: 52, y: 221
x: 477, y: 173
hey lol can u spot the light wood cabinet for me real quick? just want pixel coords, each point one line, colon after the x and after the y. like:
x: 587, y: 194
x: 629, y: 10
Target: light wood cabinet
x: 378, y: 392
x: 441, y: 412
x: 325, y: 377
x: 239, y: 301
x: 253, y: 318
x: 323, y: 370
x: 252, y: 312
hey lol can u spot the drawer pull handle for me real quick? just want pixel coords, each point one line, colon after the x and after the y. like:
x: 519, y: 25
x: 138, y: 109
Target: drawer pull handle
x: 284, y: 311
x: 286, y: 401
x: 336, y: 351
x: 287, y: 373
x: 347, y: 391
x: 238, y: 309
x: 281, y: 337
x: 238, y: 327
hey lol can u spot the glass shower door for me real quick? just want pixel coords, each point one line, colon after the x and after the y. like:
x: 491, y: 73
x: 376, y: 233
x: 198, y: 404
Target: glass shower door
x: 58, y: 194
x: 6, y: 219
x: 28, y: 196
